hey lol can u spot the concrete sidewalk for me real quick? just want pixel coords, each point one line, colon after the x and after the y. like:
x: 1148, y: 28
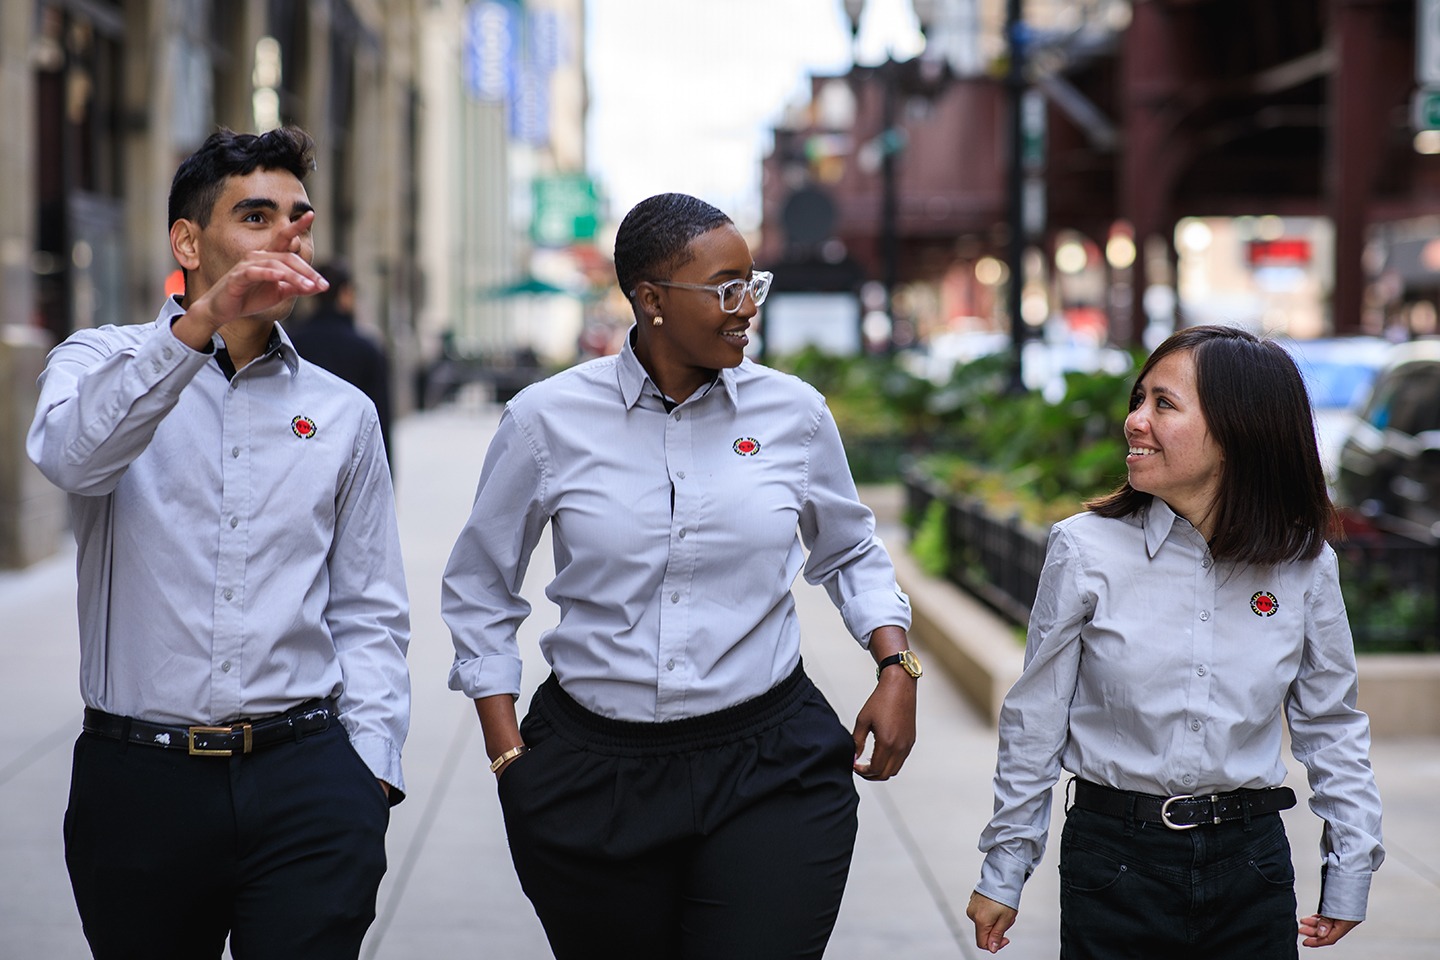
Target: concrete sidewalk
x: 450, y: 890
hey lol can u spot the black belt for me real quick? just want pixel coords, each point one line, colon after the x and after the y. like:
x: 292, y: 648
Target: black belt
x: 244, y: 736
x: 1185, y: 811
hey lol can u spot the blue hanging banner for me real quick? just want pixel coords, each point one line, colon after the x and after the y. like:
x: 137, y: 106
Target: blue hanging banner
x: 492, y: 47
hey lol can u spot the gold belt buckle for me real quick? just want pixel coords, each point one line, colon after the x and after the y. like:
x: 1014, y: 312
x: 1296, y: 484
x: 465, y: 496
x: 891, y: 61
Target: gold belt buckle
x: 197, y: 752
x: 1165, y: 813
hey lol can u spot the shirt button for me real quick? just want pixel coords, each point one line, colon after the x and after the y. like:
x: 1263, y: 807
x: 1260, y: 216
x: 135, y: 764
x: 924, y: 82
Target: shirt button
x: 234, y: 451
x: 682, y: 534
x: 1205, y: 563
x: 229, y: 594
x: 225, y: 666
x: 1187, y: 779
x: 1194, y: 724
x: 681, y: 474
x: 669, y: 664
x: 674, y: 598
x: 234, y: 522
x: 155, y: 365
x: 1200, y: 670
x: 167, y: 353
x: 1204, y: 615
x: 677, y: 414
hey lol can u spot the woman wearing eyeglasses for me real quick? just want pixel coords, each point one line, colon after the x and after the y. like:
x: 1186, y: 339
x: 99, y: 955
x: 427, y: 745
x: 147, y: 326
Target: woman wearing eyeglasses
x: 679, y: 788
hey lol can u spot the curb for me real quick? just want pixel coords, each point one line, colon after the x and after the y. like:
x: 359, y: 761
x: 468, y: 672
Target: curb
x: 976, y: 647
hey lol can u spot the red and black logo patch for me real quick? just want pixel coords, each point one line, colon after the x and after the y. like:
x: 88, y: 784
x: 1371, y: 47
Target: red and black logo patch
x: 303, y: 427
x: 747, y: 446
x: 1264, y: 604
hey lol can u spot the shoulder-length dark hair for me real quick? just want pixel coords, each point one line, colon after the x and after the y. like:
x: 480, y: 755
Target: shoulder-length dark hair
x: 1272, y: 505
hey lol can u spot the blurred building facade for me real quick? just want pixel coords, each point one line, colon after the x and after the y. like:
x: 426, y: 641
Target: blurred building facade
x: 508, y: 155
x: 422, y: 179
x: 1290, y: 120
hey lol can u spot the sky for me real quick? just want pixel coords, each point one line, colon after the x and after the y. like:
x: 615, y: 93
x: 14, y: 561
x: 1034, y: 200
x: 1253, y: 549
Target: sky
x: 683, y: 93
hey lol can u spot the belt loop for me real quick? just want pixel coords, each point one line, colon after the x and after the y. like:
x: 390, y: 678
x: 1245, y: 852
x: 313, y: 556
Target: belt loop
x: 1245, y: 810
x: 125, y: 736
x: 1130, y: 814
x: 1069, y: 787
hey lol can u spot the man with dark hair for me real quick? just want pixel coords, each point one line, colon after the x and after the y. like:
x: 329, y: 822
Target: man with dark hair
x: 243, y: 615
x: 329, y: 338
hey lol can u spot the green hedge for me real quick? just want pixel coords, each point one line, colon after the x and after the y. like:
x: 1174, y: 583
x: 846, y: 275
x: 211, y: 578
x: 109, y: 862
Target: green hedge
x: 972, y: 434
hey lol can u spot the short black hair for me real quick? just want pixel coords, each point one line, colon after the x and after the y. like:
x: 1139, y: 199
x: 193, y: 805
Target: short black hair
x: 1272, y: 505
x: 201, y: 176
x: 654, y: 238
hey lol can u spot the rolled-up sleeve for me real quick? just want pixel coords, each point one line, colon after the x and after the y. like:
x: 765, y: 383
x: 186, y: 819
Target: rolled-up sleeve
x: 1331, y: 737
x: 480, y: 594
x: 839, y: 531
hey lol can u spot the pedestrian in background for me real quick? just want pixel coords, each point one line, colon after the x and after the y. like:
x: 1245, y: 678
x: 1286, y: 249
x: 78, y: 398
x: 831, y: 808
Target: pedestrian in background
x: 679, y: 788
x: 330, y: 339
x: 243, y: 617
x: 1176, y: 622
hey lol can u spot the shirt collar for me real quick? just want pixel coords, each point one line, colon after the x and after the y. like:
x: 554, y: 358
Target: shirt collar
x: 1157, y: 521
x: 633, y: 378
x: 279, y: 339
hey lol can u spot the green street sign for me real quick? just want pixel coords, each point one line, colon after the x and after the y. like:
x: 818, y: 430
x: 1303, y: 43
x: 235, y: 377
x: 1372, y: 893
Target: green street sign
x: 567, y: 210
x: 1425, y: 109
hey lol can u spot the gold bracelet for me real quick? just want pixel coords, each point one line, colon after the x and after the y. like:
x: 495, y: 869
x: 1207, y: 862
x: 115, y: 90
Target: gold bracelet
x: 506, y: 757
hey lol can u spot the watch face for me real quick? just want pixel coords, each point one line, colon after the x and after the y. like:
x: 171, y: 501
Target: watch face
x: 911, y: 663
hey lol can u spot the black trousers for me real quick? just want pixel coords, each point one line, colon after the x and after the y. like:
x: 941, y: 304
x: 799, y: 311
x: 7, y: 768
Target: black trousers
x: 722, y: 836
x: 1142, y: 891
x: 282, y: 850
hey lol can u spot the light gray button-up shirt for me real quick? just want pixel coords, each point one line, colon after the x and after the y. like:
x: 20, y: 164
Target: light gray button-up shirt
x: 1149, y: 667
x: 237, y: 545
x: 675, y: 539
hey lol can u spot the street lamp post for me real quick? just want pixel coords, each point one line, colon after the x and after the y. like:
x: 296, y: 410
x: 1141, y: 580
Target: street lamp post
x: 890, y: 205
x: 1015, y: 254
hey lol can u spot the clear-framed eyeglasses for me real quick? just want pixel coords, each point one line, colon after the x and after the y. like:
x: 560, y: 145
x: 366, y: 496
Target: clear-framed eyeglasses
x: 731, y: 292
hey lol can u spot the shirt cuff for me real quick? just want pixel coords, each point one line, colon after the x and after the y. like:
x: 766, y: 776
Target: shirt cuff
x: 486, y: 676
x: 1343, y: 896
x: 383, y: 759
x: 866, y: 612
x: 1002, y: 877
x: 209, y: 349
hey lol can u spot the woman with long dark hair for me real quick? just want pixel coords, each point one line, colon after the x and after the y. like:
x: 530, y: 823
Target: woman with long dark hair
x: 1177, y: 621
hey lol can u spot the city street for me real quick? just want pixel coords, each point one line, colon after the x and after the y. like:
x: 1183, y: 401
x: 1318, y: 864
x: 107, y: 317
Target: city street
x: 450, y: 890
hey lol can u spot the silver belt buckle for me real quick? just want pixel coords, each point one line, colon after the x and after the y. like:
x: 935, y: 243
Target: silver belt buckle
x: 1165, y: 813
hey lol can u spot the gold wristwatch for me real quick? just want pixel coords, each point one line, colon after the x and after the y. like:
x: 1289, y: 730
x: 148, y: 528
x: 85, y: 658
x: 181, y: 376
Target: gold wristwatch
x: 907, y: 660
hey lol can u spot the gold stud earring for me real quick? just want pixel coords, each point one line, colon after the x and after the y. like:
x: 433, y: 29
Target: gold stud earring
x: 658, y: 321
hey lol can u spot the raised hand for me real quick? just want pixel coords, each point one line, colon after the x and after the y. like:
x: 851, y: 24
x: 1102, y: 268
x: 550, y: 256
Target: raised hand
x: 262, y: 279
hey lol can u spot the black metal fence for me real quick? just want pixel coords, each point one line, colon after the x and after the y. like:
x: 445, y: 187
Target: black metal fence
x: 1392, y: 592
x: 1391, y: 584
x: 998, y: 559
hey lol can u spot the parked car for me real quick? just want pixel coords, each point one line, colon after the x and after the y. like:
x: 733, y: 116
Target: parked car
x: 1390, y: 462
x: 1339, y: 373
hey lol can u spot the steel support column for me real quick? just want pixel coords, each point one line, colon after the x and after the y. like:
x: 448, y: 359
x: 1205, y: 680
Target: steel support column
x: 1357, y: 130
x: 1152, y: 71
